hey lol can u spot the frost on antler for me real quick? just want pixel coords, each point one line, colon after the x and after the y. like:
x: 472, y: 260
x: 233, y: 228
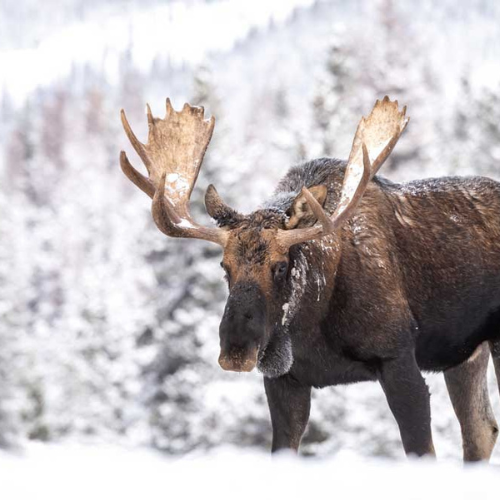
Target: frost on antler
x: 173, y: 156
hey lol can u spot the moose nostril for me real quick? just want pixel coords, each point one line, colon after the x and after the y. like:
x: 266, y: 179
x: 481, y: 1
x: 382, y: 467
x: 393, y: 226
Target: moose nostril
x: 248, y: 315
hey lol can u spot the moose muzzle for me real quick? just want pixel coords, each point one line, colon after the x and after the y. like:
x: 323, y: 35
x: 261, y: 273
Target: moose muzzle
x: 242, y: 329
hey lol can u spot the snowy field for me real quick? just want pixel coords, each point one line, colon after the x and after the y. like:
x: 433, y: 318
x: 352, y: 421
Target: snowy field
x: 79, y: 472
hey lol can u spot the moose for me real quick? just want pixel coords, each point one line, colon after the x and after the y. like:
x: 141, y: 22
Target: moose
x: 344, y: 276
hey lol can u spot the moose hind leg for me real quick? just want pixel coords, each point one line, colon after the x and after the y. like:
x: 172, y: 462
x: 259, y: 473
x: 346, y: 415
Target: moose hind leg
x: 468, y: 389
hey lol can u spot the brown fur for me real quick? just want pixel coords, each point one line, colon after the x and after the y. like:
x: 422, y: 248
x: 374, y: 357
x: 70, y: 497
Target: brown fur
x: 411, y: 281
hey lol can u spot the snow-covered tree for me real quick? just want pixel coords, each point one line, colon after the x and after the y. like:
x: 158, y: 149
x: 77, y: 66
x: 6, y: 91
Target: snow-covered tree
x: 472, y: 140
x: 369, y: 61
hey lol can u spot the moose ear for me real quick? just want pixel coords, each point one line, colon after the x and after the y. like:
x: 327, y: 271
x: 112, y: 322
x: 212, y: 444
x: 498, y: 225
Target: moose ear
x: 223, y: 214
x: 300, y: 212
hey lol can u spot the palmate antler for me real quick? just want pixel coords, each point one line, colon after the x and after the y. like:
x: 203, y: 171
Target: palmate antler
x: 173, y: 156
x: 174, y: 153
x: 375, y: 138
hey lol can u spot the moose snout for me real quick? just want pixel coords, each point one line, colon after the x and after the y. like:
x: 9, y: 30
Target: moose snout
x: 242, y: 328
x: 240, y: 362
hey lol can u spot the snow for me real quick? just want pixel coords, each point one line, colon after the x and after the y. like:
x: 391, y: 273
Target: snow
x: 184, y: 223
x: 172, y: 177
x: 82, y: 472
x: 298, y: 279
x: 351, y: 183
x: 285, y: 307
x: 177, y: 185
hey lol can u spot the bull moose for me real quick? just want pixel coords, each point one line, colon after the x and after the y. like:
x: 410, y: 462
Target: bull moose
x: 345, y: 277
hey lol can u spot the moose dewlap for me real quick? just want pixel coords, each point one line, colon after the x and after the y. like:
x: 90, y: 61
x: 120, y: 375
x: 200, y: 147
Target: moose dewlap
x: 346, y: 277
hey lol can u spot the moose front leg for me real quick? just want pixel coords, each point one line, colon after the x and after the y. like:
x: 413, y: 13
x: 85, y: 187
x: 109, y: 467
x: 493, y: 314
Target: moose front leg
x: 289, y: 404
x: 409, y: 401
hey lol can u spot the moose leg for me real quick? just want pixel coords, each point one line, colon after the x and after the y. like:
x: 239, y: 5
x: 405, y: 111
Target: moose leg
x: 468, y: 389
x: 289, y: 404
x: 409, y: 401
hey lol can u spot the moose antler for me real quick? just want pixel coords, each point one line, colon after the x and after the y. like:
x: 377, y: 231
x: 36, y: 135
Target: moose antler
x: 375, y: 138
x: 173, y: 156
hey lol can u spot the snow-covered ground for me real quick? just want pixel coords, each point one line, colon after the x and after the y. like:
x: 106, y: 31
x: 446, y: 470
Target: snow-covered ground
x: 83, y: 472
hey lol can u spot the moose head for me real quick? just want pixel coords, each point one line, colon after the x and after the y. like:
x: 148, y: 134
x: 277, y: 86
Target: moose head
x: 265, y: 279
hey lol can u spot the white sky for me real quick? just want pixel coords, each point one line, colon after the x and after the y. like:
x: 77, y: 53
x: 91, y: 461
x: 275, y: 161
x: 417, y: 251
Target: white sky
x: 176, y: 31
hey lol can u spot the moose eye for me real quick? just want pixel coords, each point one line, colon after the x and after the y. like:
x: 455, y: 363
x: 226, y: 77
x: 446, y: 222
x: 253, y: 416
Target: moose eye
x: 280, y: 270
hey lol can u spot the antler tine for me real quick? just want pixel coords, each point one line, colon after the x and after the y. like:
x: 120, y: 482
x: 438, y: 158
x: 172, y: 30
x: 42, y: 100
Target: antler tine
x: 170, y: 108
x: 138, y: 145
x: 318, y: 211
x: 375, y: 138
x: 142, y: 182
x: 150, y: 116
x: 173, y: 156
